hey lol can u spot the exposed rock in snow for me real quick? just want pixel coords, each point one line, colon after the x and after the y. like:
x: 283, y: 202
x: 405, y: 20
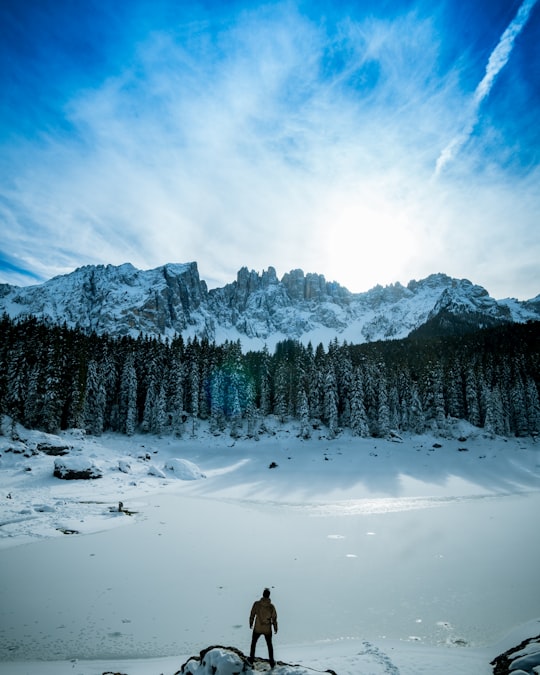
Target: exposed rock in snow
x: 53, y: 450
x: 155, y: 471
x: 523, y: 659
x: 15, y: 447
x: 76, y: 468
x: 231, y: 661
x: 124, y: 466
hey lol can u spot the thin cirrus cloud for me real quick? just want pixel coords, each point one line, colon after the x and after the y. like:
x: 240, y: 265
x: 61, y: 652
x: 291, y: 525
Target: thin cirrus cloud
x: 276, y: 136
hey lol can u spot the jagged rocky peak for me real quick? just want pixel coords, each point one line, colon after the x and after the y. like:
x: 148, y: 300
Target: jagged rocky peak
x: 294, y: 287
x: 300, y: 286
x: 249, y: 281
x: 172, y: 299
x: 388, y: 294
x: 119, y: 299
x: 435, y: 282
x: 238, y: 294
x: 184, y: 282
x: 464, y: 296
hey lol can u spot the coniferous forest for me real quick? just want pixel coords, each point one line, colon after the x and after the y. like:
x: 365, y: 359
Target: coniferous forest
x: 55, y: 378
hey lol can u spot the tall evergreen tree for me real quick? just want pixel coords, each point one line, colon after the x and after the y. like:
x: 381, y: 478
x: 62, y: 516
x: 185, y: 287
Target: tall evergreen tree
x: 472, y: 397
x: 532, y: 405
x: 359, y: 423
x: 520, y: 424
x: 94, y: 400
x: 330, y: 402
x: 303, y: 414
x: 176, y: 401
x: 217, y: 403
x: 128, y: 396
x: 52, y: 403
x: 383, y: 409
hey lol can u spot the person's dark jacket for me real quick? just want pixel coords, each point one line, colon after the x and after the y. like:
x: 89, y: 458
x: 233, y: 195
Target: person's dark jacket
x: 264, y: 614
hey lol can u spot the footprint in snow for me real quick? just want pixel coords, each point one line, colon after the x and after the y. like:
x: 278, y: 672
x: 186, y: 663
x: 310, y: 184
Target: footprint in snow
x: 381, y: 658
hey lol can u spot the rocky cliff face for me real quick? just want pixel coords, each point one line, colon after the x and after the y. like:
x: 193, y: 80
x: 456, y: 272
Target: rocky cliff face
x: 119, y: 300
x: 257, y: 308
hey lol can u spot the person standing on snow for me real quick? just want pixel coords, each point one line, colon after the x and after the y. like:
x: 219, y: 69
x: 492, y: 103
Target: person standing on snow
x: 264, y: 614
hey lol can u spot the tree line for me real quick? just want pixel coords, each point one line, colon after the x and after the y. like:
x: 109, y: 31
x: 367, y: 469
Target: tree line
x: 54, y: 377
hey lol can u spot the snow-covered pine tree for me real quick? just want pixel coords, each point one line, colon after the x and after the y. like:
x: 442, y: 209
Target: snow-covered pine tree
x: 217, y: 402
x: 149, y: 405
x: 472, y: 396
x: 518, y: 407
x: 265, y: 384
x: 75, y: 402
x: 176, y: 397
x: 128, y: 396
x: 438, y: 410
x: 532, y: 405
x: 111, y: 385
x: 416, y: 416
x: 281, y: 402
x: 359, y: 423
x: 16, y: 383
x: 51, y: 399
x: 235, y: 412
x: 454, y: 391
x: 94, y: 400
x: 303, y: 415
x: 494, y: 422
x: 159, y: 414
x: 344, y: 377
x: 330, y: 402
x: 194, y: 387
x: 383, y: 409
x: 32, y: 398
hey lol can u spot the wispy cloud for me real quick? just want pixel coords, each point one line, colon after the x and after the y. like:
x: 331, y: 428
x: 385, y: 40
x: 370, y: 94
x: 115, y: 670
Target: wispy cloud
x: 497, y: 60
x: 271, y: 139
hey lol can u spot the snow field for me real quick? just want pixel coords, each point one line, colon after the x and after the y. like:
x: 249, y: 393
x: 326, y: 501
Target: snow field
x: 382, y: 557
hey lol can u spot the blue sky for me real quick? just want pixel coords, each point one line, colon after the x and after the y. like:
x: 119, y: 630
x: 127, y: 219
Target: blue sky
x: 368, y: 141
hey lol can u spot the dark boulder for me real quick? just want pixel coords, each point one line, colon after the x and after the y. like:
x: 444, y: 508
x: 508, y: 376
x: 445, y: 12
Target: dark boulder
x: 76, y: 468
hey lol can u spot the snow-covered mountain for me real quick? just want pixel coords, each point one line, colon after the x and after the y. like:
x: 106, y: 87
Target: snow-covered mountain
x: 257, y: 308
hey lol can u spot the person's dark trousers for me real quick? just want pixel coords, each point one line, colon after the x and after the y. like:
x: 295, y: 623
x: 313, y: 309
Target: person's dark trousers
x: 268, y: 638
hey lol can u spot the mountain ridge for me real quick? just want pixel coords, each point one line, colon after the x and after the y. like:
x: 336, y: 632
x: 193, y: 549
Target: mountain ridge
x: 258, y: 308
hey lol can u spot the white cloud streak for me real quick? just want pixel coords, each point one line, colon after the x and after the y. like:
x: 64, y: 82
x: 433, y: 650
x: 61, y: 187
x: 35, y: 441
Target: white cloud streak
x: 496, y: 62
x: 277, y: 144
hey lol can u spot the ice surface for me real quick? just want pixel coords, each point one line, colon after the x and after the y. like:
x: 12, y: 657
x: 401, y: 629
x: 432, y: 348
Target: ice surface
x: 381, y: 557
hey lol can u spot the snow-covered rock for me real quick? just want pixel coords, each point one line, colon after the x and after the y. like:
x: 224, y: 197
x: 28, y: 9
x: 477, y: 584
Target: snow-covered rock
x: 76, y: 468
x: 216, y: 661
x: 16, y: 447
x: 153, y: 470
x: 231, y: 661
x: 184, y: 469
x: 54, y: 450
x: 124, y: 465
x: 523, y: 659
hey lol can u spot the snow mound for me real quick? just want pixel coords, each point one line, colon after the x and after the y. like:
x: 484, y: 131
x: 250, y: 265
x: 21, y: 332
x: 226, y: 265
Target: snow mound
x: 154, y: 470
x: 124, y: 465
x: 231, y: 661
x: 76, y: 468
x: 16, y: 447
x: 184, y: 469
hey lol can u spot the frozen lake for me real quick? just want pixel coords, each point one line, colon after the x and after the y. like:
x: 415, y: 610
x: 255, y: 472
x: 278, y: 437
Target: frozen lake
x: 435, y: 556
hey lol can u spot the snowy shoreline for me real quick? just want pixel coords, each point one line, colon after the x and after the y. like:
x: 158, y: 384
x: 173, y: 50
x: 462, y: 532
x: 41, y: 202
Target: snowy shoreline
x: 402, y: 546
